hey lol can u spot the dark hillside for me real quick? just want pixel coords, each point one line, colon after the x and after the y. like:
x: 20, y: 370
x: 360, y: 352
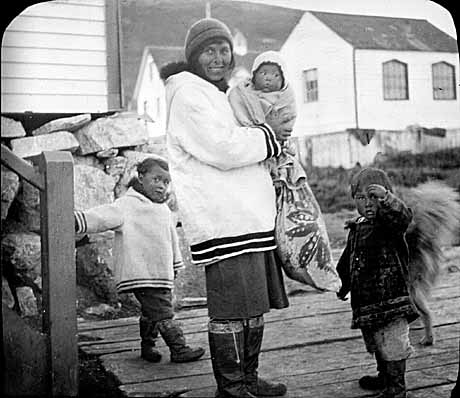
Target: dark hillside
x: 330, y: 185
x: 163, y: 24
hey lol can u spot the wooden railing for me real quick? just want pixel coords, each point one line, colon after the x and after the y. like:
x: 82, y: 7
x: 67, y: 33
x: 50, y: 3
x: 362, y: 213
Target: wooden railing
x: 55, y: 183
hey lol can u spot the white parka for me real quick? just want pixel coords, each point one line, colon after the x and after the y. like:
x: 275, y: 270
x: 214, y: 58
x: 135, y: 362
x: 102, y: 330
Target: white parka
x: 225, y: 195
x: 146, y: 247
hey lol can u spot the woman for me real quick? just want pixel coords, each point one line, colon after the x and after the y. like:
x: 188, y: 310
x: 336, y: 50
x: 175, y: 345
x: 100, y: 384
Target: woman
x: 227, y: 202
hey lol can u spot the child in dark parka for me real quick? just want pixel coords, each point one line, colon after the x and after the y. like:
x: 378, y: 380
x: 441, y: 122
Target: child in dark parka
x: 374, y: 268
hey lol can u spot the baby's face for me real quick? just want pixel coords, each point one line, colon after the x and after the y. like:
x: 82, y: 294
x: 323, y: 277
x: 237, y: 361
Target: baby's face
x: 268, y: 78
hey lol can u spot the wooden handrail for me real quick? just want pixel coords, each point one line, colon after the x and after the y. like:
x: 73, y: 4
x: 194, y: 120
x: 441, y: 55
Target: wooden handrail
x: 55, y: 181
x: 59, y: 271
x: 21, y: 167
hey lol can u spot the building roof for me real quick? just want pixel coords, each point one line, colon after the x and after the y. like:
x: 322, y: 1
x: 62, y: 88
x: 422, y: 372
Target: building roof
x: 162, y: 25
x: 388, y: 33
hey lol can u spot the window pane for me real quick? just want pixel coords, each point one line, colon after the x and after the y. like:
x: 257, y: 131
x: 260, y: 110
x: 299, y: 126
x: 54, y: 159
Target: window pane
x: 395, y: 80
x: 311, y: 85
x: 443, y: 81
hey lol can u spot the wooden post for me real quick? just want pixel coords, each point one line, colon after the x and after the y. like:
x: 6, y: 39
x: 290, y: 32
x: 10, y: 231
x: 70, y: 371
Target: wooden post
x: 59, y: 272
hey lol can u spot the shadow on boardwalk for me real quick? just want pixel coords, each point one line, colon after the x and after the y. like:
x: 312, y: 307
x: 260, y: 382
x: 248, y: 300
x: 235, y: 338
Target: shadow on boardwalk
x: 309, y: 346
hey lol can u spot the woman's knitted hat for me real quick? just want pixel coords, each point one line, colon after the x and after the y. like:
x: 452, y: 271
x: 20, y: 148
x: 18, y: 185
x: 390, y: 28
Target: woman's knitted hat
x: 203, y: 30
x: 369, y: 175
x: 270, y: 57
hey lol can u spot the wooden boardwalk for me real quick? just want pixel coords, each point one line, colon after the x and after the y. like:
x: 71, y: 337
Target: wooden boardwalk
x: 309, y: 346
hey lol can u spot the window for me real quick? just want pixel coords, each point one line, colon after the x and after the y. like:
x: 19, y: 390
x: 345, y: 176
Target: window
x: 311, y: 84
x: 395, y: 85
x: 443, y: 81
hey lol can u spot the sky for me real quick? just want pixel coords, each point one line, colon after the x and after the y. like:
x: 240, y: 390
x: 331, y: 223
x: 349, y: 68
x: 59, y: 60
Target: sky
x: 417, y: 9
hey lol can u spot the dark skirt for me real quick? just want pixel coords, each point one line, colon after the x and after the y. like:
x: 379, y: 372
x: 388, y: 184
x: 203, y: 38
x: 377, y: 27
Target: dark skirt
x: 245, y: 286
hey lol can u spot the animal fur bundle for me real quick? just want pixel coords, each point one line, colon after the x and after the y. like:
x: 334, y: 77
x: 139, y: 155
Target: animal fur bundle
x: 436, y: 223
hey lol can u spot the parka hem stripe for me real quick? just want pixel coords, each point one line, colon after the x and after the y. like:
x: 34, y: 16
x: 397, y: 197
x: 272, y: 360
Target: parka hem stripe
x: 135, y: 284
x: 224, y: 251
x: 241, y: 239
x: 228, y: 245
x: 232, y: 254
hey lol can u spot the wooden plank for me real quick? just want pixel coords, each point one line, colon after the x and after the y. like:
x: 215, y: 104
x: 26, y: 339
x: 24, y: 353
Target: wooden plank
x: 114, y: 48
x: 82, y: 10
x: 55, y: 56
x: 21, y: 167
x: 288, y: 359
x: 59, y: 271
x: 293, y: 317
x: 132, y: 342
x: 442, y: 391
x: 53, y: 40
x: 308, y: 377
x: 49, y: 71
x: 319, y: 303
x: 53, y: 103
x: 417, y: 380
x: 300, y: 346
x: 57, y: 25
x: 311, y: 306
x: 130, y: 338
x: 65, y: 87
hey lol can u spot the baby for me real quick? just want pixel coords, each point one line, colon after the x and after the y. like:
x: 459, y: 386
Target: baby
x: 302, y: 242
x: 266, y: 95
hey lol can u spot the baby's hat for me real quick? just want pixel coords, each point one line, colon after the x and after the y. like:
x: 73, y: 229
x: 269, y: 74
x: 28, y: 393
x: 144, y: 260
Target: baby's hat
x: 273, y: 57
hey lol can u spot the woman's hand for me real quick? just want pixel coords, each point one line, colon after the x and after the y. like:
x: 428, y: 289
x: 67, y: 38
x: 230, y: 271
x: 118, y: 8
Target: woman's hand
x: 282, y: 126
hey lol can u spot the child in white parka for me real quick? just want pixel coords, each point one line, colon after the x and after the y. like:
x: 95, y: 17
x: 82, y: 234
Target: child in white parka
x: 146, y: 255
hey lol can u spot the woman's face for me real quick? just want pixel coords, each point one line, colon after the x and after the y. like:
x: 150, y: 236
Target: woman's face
x: 215, y: 60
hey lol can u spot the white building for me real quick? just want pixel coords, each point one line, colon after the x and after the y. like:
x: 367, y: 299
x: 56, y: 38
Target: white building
x: 354, y: 71
x: 148, y: 99
x: 362, y: 76
x: 62, y: 57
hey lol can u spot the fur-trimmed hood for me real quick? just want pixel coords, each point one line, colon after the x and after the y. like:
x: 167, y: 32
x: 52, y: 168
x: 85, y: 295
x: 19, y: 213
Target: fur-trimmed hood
x: 173, y: 68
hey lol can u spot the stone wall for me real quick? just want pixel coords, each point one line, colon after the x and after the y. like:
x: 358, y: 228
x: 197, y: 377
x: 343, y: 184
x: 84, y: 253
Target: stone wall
x: 105, y: 153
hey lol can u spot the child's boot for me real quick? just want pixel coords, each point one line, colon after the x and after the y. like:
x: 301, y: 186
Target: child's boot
x: 375, y: 382
x: 175, y: 340
x: 395, y: 380
x: 149, y: 333
x: 396, y: 384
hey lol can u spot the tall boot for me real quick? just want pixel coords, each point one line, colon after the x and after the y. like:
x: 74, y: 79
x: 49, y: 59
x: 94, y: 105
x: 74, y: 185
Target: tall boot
x: 253, y: 333
x: 149, y: 334
x: 375, y: 382
x: 226, y: 343
x: 175, y: 340
x: 395, y: 380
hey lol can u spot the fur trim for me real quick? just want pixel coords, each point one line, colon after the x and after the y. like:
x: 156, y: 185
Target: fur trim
x: 436, y: 223
x: 173, y: 68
